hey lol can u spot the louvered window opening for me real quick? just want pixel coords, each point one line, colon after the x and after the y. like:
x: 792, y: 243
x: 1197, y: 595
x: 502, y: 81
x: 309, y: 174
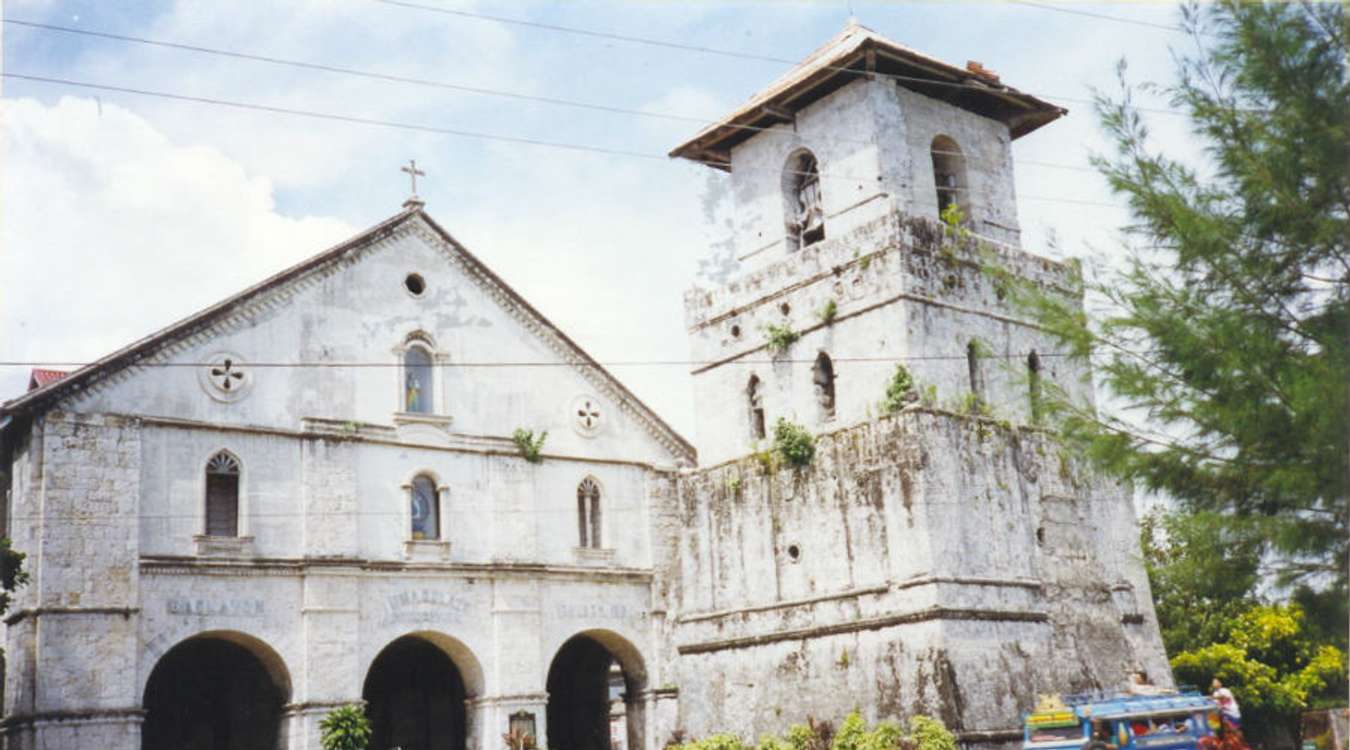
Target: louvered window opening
x: 222, y: 496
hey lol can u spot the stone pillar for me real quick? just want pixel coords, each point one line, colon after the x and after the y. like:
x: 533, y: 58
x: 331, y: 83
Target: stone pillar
x: 77, y: 517
x: 330, y: 676
x: 331, y: 518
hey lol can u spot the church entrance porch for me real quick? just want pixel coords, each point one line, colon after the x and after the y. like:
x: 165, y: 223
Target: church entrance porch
x: 594, y: 687
x: 415, y: 698
x: 215, y: 692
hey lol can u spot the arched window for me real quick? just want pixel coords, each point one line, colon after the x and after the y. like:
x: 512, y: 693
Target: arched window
x: 588, y: 513
x: 949, y: 174
x: 822, y: 378
x: 222, y: 495
x: 1034, y: 385
x: 755, y: 398
x: 417, y: 380
x: 801, y: 196
x: 424, y: 508
x: 973, y: 366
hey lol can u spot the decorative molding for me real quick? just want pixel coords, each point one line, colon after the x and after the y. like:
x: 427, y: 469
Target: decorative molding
x: 869, y: 623
x: 426, y: 550
x: 129, y: 715
x: 36, y: 612
x: 593, y: 555
x: 850, y: 594
x: 223, y: 546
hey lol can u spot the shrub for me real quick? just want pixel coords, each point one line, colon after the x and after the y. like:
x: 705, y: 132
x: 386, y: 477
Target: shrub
x: 899, y: 391
x: 345, y: 728
x: 528, y: 444
x: 779, y: 338
x: 716, y: 742
x: 931, y: 734
x: 793, y: 443
x: 827, y: 313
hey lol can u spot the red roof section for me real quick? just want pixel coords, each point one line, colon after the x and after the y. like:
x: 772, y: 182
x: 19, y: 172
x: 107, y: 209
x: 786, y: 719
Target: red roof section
x: 40, y: 377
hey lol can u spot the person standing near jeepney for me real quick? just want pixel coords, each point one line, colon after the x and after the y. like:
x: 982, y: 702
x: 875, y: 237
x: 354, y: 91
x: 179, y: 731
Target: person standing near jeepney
x: 1228, y: 705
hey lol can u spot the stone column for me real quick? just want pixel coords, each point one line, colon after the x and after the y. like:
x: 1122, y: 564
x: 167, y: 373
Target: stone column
x: 76, y: 519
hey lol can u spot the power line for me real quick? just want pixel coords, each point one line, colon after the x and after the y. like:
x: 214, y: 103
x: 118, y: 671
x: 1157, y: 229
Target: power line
x: 534, y: 364
x: 518, y: 140
x: 479, y: 90
x: 1102, y: 16
x: 613, y: 36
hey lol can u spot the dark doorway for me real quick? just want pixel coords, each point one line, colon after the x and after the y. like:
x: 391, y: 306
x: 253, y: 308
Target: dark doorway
x: 592, y: 700
x: 415, y: 698
x: 211, y: 694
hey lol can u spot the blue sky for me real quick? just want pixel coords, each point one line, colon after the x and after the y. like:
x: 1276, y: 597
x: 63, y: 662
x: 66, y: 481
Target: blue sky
x: 122, y: 213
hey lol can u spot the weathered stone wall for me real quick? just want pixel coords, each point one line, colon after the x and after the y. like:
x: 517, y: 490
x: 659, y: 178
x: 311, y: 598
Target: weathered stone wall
x: 73, y: 629
x: 906, y: 291
x: 872, y: 140
x: 924, y: 563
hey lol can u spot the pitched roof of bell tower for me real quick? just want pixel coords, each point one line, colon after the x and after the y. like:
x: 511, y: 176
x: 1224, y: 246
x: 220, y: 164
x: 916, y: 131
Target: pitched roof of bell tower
x: 857, y: 52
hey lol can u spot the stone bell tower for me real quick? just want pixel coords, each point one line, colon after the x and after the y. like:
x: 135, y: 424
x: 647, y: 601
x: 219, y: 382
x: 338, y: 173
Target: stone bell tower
x: 945, y: 558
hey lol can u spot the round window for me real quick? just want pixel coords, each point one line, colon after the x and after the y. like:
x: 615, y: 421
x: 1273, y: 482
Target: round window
x: 415, y: 284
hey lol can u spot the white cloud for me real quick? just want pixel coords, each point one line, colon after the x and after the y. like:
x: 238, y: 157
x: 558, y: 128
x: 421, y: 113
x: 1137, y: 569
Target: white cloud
x: 111, y: 230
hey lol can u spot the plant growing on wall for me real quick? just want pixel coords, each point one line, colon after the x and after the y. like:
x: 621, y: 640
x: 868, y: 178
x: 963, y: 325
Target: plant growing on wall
x: 345, y: 728
x: 900, y: 391
x: 12, y: 574
x: 793, y: 443
x: 828, y: 312
x: 779, y: 338
x: 528, y: 444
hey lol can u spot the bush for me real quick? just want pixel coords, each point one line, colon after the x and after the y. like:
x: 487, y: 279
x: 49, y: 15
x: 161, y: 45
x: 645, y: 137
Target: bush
x: 793, y: 443
x: 528, y: 444
x: 345, y: 728
x: 930, y: 734
x: 779, y: 338
x: 899, y: 391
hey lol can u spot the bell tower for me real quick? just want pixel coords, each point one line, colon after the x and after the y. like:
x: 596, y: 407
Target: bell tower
x: 841, y: 171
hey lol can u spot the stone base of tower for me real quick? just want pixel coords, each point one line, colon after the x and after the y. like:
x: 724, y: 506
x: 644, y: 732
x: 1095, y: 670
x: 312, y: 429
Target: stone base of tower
x: 926, y: 563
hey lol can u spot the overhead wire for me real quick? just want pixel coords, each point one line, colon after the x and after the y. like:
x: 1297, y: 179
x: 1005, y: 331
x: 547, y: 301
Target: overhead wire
x: 440, y: 130
x: 463, y: 88
x: 614, y: 36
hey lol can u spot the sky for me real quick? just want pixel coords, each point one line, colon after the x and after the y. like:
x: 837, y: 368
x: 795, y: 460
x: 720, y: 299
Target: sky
x: 121, y: 213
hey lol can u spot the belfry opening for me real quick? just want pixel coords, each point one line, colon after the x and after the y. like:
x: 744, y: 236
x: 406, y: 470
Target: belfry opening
x: 415, y: 696
x: 595, y: 686
x: 215, y: 693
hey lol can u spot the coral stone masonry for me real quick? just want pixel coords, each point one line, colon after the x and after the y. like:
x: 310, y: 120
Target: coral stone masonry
x: 221, y: 553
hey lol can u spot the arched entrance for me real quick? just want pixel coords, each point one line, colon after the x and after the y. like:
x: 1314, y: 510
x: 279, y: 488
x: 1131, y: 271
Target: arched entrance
x: 415, y: 697
x: 215, y: 691
x: 594, y: 694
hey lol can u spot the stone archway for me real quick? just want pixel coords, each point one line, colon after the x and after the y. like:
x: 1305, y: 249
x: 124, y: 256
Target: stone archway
x: 595, y: 687
x: 415, y: 693
x: 216, y: 691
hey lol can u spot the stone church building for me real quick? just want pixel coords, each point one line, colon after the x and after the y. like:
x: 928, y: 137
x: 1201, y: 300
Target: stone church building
x: 223, y: 548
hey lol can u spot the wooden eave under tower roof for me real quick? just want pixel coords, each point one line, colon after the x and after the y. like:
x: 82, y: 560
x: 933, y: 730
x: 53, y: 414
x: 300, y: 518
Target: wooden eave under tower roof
x: 857, y: 52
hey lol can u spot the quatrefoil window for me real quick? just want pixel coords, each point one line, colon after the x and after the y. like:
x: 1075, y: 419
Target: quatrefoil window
x: 225, y: 377
x: 587, y: 415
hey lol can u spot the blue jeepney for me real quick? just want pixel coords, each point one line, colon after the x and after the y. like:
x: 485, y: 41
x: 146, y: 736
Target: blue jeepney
x: 1167, y: 721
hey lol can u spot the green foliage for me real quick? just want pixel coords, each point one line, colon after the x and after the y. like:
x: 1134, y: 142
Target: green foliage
x: 768, y: 463
x: 1226, y: 330
x: 779, y: 338
x: 853, y: 734
x: 972, y: 404
x: 1274, y: 670
x: 931, y: 734
x: 734, y: 485
x: 715, y: 742
x: 794, y: 444
x: 12, y: 574
x: 899, y: 391
x: 953, y: 216
x: 345, y: 728
x: 529, y: 445
x: 1276, y: 659
x: 828, y: 312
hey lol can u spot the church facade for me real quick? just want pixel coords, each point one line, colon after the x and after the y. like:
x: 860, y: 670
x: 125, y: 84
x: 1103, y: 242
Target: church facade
x: 320, y: 491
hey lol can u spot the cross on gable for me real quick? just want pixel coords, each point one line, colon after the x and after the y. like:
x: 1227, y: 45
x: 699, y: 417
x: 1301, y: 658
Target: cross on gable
x: 413, y: 173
